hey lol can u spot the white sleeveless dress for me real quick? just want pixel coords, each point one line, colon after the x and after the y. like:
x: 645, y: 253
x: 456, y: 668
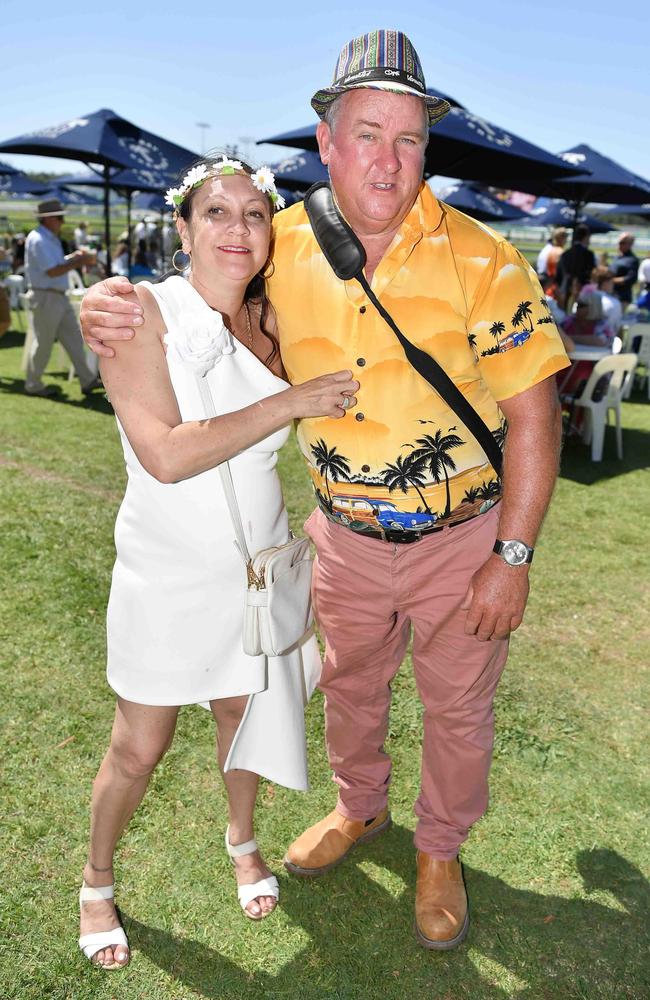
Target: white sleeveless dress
x: 175, y: 612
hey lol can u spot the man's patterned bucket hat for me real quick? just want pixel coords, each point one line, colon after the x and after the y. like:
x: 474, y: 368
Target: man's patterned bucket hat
x: 380, y: 60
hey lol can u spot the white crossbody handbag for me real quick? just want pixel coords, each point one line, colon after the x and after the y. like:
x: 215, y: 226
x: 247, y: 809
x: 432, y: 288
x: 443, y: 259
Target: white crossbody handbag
x: 277, y: 608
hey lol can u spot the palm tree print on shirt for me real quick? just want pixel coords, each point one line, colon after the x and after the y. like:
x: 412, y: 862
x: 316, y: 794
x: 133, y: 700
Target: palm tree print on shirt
x: 497, y: 329
x: 523, y: 313
x: 405, y: 472
x: 435, y: 453
x: 331, y: 465
x: 548, y: 316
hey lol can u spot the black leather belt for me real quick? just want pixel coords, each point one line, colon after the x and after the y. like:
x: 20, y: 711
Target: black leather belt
x: 405, y: 537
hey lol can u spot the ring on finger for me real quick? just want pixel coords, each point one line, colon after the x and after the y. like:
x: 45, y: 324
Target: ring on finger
x: 346, y: 402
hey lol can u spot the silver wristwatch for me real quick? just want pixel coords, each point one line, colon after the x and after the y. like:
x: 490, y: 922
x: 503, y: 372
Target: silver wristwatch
x: 513, y: 551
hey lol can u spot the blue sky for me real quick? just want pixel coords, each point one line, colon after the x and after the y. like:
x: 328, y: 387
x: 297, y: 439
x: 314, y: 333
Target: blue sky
x: 554, y: 73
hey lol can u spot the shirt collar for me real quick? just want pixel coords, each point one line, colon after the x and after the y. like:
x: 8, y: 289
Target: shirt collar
x: 425, y: 216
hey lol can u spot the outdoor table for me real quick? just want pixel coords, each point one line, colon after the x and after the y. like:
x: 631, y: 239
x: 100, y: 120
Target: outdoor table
x: 581, y: 352
x: 584, y: 352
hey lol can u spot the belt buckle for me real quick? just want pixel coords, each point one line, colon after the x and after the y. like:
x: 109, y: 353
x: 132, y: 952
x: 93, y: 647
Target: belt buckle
x: 405, y: 537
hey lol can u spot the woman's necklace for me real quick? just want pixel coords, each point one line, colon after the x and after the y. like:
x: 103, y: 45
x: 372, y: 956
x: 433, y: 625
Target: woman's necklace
x: 249, y: 330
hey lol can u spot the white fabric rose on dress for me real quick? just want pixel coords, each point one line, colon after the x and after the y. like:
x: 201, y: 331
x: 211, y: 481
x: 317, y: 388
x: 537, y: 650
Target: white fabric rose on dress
x: 202, y: 346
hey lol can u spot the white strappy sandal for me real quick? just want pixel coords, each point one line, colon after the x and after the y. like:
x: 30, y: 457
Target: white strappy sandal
x: 246, y: 893
x: 90, y: 944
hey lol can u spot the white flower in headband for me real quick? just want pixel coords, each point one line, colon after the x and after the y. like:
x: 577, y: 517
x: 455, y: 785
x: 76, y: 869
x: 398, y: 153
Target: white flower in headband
x: 173, y: 197
x: 195, y: 176
x: 226, y: 166
x: 264, y: 180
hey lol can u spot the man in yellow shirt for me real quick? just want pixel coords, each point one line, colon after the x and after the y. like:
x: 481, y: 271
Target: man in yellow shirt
x: 414, y: 528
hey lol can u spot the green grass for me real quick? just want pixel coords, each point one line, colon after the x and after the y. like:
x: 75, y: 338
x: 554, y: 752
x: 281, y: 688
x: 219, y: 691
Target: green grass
x: 555, y: 870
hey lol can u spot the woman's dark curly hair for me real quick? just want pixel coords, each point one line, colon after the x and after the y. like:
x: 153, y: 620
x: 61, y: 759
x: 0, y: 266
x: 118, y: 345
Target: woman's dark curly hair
x: 256, y: 290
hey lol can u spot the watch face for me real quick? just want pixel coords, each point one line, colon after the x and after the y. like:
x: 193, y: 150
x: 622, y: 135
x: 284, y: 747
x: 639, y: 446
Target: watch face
x: 515, y: 553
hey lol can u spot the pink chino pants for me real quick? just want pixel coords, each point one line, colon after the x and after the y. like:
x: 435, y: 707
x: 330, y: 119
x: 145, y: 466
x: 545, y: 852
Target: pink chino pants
x: 367, y: 596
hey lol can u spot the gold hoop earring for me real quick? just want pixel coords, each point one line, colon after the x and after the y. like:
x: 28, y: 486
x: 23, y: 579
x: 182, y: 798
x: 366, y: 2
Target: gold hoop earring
x: 271, y: 272
x: 184, y: 266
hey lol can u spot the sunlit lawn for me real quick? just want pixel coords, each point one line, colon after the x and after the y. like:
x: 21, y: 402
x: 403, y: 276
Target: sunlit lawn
x: 559, y: 901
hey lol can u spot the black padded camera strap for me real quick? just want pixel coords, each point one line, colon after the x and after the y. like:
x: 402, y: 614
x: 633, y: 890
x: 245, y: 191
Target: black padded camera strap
x: 347, y: 258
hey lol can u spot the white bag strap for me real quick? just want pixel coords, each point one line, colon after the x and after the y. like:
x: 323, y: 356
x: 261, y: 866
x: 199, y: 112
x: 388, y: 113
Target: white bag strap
x: 226, y: 475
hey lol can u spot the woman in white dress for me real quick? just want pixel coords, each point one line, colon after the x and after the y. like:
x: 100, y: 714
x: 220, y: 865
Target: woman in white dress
x: 176, y: 604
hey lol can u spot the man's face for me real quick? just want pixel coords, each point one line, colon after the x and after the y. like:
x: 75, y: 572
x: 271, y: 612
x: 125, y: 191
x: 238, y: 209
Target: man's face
x: 625, y: 246
x: 54, y: 223
x: 375, y: 157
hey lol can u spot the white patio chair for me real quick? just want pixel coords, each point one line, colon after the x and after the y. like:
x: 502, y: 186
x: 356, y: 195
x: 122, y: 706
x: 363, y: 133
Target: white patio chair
x: 597, y: 402
x: 637, y: 341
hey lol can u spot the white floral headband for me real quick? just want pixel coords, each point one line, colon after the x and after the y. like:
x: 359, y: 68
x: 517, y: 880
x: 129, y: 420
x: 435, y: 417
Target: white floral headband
x: 263, y: 179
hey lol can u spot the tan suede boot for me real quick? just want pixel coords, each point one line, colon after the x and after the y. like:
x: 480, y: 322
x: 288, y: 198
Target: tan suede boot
x: 324, y: 845
x: 441, y: 914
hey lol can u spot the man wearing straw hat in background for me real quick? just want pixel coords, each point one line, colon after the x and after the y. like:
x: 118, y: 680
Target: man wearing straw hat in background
x: 461, y: 583
x: 46, y: 269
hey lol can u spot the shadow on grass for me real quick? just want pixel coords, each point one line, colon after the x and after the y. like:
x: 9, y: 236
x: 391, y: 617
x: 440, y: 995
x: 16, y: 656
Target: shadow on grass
x: 578, y: 467
x: 96, y: 401
x: 12, y: 338
x: 362, y: 944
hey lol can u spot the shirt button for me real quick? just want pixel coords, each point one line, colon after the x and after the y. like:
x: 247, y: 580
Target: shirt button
x: 365, y: 468
x: 362, y: 310
x: 359, y: 416
x: 361, y: 362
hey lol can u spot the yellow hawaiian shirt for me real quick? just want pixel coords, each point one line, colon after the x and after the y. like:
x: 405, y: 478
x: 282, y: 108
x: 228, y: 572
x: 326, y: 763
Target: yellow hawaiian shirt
x: 459, y: 291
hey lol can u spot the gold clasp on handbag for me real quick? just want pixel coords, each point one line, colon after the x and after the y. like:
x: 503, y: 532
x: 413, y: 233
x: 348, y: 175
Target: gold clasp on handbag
x: 253, y: 579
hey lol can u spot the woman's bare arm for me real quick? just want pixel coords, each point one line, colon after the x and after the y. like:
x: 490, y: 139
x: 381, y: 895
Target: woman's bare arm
x: 139, y: 387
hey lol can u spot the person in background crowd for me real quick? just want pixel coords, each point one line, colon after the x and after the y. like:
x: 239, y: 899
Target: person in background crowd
x: 169, y: 240
x: 611, y: 305
x: 120, y: 256
x: 18, y: 253
x: 140, y: 265
x: 643, y: 301
x: 550, y: 254
x: 459, y: 578
x: 575, y: 266
x: 46, y: 268
x: 550, y: 294
x: 81, y: 235
x: 625, y: 269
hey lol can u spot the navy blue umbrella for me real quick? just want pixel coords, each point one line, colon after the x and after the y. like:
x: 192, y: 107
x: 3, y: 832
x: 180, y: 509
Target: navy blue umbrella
x: 14, y: 181
x: 643, y: 211
x: 469, y: 147
x: 299, y: 172
x: 560, y: 213
x: 479, y: 204
x: 106, y: 138
x: 151, y: 202
x: 127, y: 183
x: 70, y: 197
x: 602, y: 179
